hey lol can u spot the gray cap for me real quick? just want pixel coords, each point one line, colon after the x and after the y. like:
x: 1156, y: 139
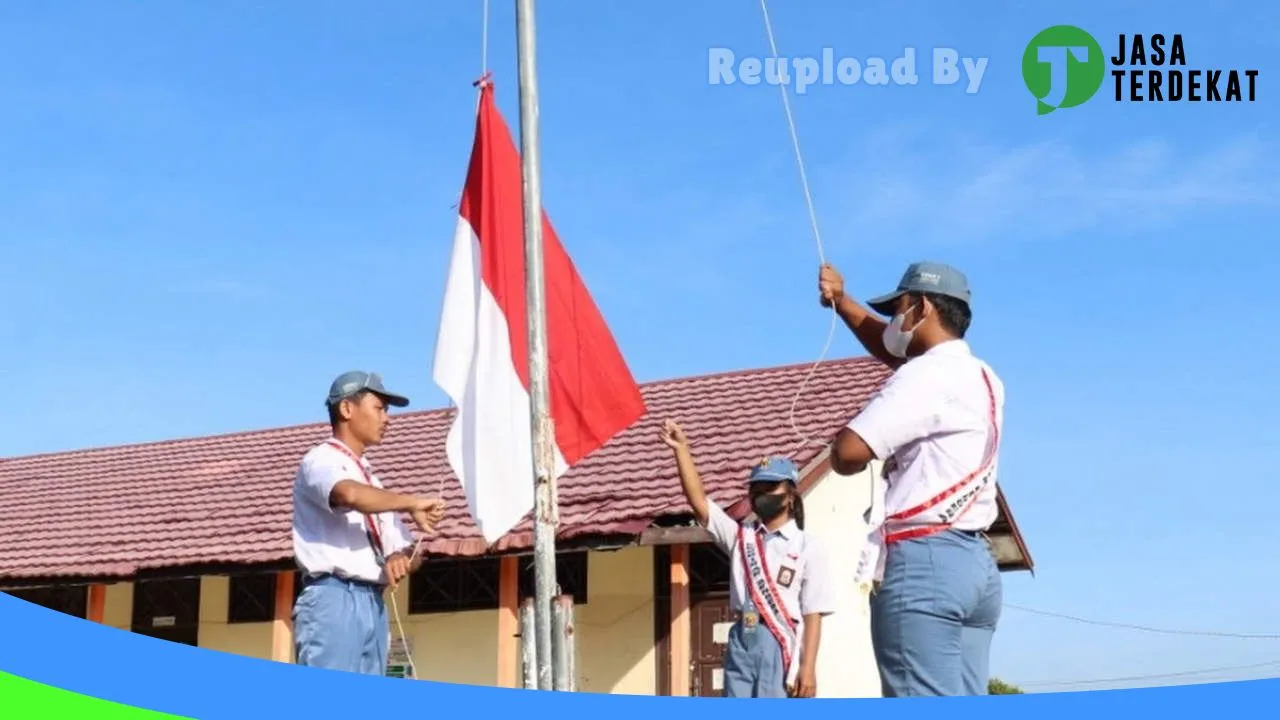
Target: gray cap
x: 349, y: 383
x: 925, y: 277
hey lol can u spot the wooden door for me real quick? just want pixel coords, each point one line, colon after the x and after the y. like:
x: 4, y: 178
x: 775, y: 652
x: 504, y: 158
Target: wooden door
x: 709, y: 626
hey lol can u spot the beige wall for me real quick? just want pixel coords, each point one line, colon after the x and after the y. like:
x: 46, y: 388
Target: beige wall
x: 118, y: 611
x: 613, y: 632
x: 457, y: 647
x: 833, y: 511
x: 251, y: 639
x: 614, y: 629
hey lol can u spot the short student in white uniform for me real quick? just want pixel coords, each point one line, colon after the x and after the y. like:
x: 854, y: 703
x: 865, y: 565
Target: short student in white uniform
x: 936, y: 424
x: 348, y: 538
x: 780, y: 589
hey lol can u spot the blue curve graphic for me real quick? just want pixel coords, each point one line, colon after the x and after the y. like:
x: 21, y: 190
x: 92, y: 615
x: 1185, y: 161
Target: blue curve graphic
x: 91, y: 659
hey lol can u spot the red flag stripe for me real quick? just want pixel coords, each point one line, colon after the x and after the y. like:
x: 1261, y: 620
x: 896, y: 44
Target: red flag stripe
x: 593, y: 394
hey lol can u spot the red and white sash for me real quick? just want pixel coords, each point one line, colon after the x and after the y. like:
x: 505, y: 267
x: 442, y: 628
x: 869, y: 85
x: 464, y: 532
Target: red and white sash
x: 765, y: 595
x: 961, y: 497
x: 371, y: 524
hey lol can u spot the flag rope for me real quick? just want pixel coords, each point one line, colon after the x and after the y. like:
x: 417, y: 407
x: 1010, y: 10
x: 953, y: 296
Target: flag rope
x: 417, y: 546
x: 813, y: 222
x: 484, y: 39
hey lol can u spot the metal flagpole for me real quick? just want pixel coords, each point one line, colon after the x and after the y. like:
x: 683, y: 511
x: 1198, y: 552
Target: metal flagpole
x: 546, y: 516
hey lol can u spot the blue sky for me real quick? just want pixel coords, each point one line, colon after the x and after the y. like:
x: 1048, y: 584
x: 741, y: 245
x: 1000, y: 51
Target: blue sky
x: 208, y: 210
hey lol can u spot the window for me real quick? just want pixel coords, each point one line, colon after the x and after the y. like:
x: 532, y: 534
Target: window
x: 571, y: 573
x: 251, y: 597
x: 166, y: 603
x: 72, y: 601
x: 454, y: 586
x: 457, y: 585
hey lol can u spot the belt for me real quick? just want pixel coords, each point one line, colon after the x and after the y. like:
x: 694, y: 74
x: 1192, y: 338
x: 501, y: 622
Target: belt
x: 320, y: 577
x: 737, y: 616
x: 980, y: 534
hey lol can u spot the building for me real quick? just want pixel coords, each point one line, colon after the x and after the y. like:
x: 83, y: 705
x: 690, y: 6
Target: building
x: 189, y: 540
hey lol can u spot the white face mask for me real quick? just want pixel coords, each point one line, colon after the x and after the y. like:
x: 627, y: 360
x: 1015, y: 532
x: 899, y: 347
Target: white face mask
x: 896, y: 340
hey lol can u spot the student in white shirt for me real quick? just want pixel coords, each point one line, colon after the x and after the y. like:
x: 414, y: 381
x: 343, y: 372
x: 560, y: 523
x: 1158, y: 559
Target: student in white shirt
x: 348, y: 538
x: 779, y: 587
x: 936, y: 424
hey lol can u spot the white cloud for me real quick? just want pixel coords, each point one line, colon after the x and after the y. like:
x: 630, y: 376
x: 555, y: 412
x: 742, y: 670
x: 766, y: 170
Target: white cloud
x: 1053, y: 187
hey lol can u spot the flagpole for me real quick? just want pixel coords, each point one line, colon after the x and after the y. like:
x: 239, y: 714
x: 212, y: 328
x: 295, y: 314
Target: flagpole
x: 546, y: 516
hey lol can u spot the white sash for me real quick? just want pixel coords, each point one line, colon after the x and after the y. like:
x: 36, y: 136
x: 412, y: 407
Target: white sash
x: 871, y: 562
x: 766, y: 598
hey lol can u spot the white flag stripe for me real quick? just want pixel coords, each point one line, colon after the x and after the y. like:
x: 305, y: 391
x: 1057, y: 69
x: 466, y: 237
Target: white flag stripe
x: 490, y: 445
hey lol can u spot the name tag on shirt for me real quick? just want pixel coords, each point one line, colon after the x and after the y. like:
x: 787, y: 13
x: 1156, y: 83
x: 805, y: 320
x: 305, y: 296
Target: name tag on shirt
x: 786, y: 576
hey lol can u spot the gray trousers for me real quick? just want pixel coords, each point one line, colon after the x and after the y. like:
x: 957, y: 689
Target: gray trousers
x: 341, y: 625
x: 933, y: 617
x: 753, y: 663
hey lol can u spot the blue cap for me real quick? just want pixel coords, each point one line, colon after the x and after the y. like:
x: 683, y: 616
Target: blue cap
x: 925, y: 277
x: 775, y: 469
x: 350, y: 383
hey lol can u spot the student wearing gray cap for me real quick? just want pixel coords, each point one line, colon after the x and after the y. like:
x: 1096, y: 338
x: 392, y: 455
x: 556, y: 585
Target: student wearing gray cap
x: 348, y: 538
x: 936, y: 426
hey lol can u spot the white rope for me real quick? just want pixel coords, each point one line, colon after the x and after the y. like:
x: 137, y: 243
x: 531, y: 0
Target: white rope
x: 484, y: 40
x: 813, y: 221
x: 395, y: 612
x: 795, y: 139
x: 395, y: 607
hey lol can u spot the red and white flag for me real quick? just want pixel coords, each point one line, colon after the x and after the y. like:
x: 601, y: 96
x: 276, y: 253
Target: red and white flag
x: 482, y: 356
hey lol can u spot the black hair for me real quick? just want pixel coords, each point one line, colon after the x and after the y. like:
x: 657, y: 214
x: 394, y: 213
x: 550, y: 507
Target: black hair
x: 953, y: 314
x: 335, y: 417
x: 797, y: 505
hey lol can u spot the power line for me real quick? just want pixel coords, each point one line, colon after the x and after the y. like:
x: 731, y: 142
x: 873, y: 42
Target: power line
x: 1144, y: 628
x: 1160, y: 676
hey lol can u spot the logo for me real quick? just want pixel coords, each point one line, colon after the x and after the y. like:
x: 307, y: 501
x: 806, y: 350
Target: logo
x: 1063, y: 66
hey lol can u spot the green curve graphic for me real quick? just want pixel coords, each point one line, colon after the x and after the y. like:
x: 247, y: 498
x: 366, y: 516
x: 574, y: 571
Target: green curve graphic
x: 21, y: 698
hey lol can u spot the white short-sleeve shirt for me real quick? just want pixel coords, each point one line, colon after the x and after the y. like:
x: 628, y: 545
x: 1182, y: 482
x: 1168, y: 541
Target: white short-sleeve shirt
x: 334, y: 541
x: 930, y: 424
x: 788, y: 551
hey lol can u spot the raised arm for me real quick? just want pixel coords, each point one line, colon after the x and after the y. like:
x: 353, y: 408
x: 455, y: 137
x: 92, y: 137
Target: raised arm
x: 864, y: 324
x: 690, y: 481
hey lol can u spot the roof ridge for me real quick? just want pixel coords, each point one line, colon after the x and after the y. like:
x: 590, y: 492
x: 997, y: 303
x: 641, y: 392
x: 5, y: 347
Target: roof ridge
x: 145, y: 444
x: 845, y: 360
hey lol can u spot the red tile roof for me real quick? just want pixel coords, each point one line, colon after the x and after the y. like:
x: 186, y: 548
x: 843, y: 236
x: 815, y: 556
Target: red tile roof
x: 113, y: 512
